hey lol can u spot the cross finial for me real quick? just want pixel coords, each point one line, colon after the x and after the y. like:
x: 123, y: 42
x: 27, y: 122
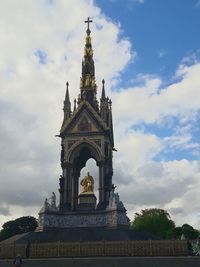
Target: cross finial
x: 88, y: 21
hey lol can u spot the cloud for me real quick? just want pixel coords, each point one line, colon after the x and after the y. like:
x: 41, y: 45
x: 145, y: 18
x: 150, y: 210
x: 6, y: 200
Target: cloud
x: 131, y: 1
x: 180, y: 99
x: 170, y: 185
x: 141, y: 1
x: 167, y: 183
x: 197, y: 4
x: 4, y: 211
x: 162, y: 53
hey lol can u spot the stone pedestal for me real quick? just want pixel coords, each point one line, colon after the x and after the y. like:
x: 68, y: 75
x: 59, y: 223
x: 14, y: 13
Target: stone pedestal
x: 86, y: 215
x: 87, y: 218
x: 87, y: 201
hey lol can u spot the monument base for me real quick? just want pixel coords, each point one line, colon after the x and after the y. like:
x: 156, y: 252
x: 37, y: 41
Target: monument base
x: 79, y: 219
x: 85, y: 216
x: 87, y: 201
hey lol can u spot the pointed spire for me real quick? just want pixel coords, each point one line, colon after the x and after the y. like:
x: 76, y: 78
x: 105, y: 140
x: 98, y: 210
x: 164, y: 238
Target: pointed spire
x: 87, y: 81
x: 103, y: 95
x: 88, y: 63
x: 104, y: 106
x: 67, y: 104
x: 110, y: 123
x: 67, y: 92
x: 74, y: 104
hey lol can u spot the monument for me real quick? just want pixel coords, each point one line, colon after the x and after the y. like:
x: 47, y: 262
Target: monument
x: 80, y: 227
x: 86, y: 132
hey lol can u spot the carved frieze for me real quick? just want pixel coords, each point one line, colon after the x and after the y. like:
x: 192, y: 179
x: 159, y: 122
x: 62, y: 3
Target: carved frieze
x: 113, y: 217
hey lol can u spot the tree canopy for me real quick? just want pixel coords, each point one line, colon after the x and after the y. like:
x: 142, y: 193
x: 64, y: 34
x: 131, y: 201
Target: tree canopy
x: 18, y: 226
x: 186, y: 231
x: 155, y: 221
x: 158, y: 222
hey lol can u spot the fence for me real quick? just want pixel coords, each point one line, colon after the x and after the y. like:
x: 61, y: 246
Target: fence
x: 96, y: 249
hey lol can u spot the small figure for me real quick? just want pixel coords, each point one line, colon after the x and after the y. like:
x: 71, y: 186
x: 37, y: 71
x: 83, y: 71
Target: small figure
x: 113, y: 187
x: 87, y: 81
x: 88, y: 183
x: 61, y: 182
x: 28, y: 249
x: 81, y: 83
x: 53, y: 200
x: 195, y: 248
x: 198, y: 247
x: 17, y: 261
x: 46, y: 203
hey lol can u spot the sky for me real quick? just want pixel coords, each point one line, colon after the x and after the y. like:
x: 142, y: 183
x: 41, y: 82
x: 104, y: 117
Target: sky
x: 148, y: 52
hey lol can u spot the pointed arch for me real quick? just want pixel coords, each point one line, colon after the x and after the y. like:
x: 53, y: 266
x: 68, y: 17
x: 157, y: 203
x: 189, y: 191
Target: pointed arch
x: 84, y: 150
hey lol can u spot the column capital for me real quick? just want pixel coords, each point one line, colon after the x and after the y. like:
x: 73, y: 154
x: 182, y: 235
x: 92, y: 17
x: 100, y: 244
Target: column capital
x: 101, y: 163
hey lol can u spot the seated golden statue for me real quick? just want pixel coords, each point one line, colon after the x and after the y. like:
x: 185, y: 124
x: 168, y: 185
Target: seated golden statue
x: 87, y: 183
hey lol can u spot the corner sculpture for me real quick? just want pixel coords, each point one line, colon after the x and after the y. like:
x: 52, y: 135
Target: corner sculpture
x: 86, y: 132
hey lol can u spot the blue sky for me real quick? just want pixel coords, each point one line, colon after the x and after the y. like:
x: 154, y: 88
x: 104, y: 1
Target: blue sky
x: 148, y: 52
x: 162, y: 32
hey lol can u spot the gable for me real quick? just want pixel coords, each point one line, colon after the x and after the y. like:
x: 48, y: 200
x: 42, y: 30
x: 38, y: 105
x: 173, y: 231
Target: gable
x: 85, y: 123
x: 85, y: 119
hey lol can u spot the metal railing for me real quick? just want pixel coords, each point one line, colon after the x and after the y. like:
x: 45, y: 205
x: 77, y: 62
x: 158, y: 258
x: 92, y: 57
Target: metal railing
x: 96, y: 249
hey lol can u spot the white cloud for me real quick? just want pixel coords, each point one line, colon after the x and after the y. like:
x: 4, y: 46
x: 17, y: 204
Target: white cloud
x: 138, y: 1
x: 180, y: 99
x: 165, y: 184
x: 162, y: 53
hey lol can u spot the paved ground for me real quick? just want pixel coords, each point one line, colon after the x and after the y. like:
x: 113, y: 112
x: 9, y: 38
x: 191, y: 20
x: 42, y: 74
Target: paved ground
x: 110, y: 262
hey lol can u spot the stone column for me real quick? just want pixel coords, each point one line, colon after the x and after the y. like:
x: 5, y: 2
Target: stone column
x: 75, y: 185
x: 67, y: 190
x: 101, y: 183
x: 108, y: 173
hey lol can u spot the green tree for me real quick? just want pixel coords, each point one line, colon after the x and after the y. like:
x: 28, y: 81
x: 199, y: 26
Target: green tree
x: 174, y: 233
x: 155, y: 221
x: 19, y: 226
x: 189, y: 232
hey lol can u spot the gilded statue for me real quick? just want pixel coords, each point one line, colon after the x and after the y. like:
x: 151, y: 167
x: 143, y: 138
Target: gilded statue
x: 87, y: 183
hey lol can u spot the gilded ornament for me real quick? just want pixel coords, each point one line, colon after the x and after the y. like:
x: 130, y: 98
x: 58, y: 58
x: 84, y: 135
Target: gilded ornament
x: 87, y: 183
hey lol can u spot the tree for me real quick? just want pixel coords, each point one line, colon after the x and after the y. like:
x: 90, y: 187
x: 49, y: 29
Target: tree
x: 155, y: 221
x: 19, y: 226
x: 189, y: 232
x: 185, y: 230
x: 174, y: 233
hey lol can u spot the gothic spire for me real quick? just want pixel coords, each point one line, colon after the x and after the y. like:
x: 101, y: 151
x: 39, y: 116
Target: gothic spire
x: 110, y: 122
x: 67, y: 92
x: 103, y: 95
x: 67, y: 103
x: 87, y: 81
x: 104, y: 107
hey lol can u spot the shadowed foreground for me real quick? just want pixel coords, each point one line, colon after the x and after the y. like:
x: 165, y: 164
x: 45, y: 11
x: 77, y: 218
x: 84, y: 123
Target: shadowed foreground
x: 110, y: 262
